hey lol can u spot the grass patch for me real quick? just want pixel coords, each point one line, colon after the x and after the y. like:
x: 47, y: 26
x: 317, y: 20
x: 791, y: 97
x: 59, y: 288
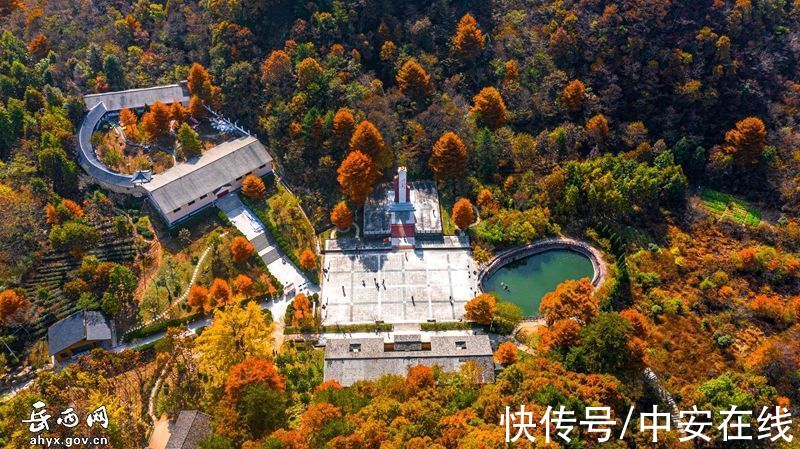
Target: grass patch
x: 447, y: 326
x: 288, y: 226
x: 448, y: 228
x: 726, y: 206
x: 341, y: 329
x: 160, y: 326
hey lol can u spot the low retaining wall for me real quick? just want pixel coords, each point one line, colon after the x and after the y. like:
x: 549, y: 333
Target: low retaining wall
x: 514, y: 254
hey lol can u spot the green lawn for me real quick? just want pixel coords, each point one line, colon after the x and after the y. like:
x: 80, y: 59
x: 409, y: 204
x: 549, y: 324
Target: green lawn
x: 726, y: 205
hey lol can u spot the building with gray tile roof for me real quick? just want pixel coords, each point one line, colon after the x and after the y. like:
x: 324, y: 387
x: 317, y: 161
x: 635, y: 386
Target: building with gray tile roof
x: 78, y: 333
x: 185, y: 189
x: 348, y: 360
x: 188, y: 187
x: 139, y: 98
x: 189, y: 427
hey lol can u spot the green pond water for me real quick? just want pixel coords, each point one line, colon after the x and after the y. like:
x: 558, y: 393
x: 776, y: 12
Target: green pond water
x: 529, y: 279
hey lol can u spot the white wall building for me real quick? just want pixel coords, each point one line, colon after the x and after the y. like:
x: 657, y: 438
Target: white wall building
x: 186, y: 188
x: 183, y: 190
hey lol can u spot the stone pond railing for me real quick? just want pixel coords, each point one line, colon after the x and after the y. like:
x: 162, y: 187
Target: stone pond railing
x: 508, y: 256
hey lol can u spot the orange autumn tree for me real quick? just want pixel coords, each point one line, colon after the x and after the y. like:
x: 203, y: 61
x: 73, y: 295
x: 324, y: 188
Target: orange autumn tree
x: 198, y: 298
x: 308, y: 259
x: 489, y: 108
x: 253, y: 187
x: 244, y: 285
x: 130, y: 123
x: 449, y: 157
x: 482, y: 308
x: 468, y: 41
x: 512, y: 71
x: 39, y: 46
x: 196, y: 108
x: 155, y: 123
x: 317, y: 416
x: 571, y: 299
x: 13, y: 308
x: 771, y: 308
x: 573, y: 96
x: 344, y: 124
x: 357, y: 175
x: 506, y: 353
x: 420, y: 377
x: 277, y: 69
x: 368, y: 140
x: 302, y: 314
x: 413, y: 80
x: 250, y: 371
x: 463, y: 214
x: 747, y: 140
x: 199, y: 82
x: 342, y: 216
x: 178, y: 112
x: 220, y: 292
x: 597, y: 129
x: 561, y: 334
x: 241, y: 249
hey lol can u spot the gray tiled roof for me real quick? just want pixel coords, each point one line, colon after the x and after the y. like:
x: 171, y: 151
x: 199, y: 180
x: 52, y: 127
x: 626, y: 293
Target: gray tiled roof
x: 190, y: 427
x: 138, y: 98
x: 348, y: 360
x: 216, y: 167
x: 89, y: 326
x: 88, y: 158
x: 441, y: 346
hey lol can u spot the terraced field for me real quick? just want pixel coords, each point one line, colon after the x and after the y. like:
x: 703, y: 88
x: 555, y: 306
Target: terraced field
x: 43, y: 286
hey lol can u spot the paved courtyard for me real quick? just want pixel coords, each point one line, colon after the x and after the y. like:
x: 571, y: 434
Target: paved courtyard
x: 397, y: 286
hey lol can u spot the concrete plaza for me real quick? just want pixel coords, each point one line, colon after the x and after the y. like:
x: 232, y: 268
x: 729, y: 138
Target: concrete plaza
x: 397, y: 286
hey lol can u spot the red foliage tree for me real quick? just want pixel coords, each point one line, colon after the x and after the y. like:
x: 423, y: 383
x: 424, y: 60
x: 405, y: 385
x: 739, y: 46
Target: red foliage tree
x: 506, y: 353
x: 573, y: 96
x: 241, y: 249
x: 368, y: 140
x: 342, y: 216
x: 468, y: 41
x: 198, y: 298
x: 413, y: 80
x: 39, y: 46
x: 481, y: 309
x: 463, y: 214
x: 571, y: 299
x: 199, y: 82
x: 308, y: 259
x: 747, y: 140
x: 220, y: 292
x: 13, y: 308
x: 420, y: 377
x: 449, y: 157
x: 357, y: 175
x: 343, y: 126
x: 489, y: 108
x: 253, y: 187
x: 155, y: 123
x: 597, y: 129
x: 251, y: 371
x: 243, y: 285
x: 301, y: 311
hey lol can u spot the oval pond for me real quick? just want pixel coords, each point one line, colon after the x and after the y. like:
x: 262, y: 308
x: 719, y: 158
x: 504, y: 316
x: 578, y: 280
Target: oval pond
x: 530, y: 278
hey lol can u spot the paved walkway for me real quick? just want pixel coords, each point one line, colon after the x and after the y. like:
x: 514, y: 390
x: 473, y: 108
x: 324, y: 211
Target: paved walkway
x: 279, y: 264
